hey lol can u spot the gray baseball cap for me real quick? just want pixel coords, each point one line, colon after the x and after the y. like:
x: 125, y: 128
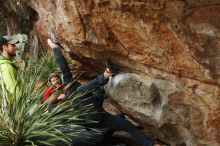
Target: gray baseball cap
x: 8, y: 40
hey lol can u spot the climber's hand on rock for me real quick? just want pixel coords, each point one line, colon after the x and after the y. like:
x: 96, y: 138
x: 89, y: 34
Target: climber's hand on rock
x: 51, y: 44
x: 107, y: 73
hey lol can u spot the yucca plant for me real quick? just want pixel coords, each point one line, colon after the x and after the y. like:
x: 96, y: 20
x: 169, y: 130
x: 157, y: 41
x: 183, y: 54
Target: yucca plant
x: 49, y: 65
x: 26, y: 121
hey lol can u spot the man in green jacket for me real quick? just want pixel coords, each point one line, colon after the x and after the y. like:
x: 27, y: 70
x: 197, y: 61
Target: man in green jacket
x: 8, y: 68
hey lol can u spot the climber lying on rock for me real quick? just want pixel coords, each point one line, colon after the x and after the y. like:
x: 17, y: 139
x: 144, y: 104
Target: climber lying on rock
x: 103, y: 119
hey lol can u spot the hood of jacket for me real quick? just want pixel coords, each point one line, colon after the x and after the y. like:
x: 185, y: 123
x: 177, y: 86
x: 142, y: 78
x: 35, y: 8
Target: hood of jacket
x: 4, y: 60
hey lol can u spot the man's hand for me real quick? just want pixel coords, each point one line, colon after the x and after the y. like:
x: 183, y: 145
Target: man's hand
x: 52, y: 44
x: 107, y: 73
x: 62, y: 96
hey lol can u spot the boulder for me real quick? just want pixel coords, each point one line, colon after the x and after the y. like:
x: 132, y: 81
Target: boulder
x: 171, y: 49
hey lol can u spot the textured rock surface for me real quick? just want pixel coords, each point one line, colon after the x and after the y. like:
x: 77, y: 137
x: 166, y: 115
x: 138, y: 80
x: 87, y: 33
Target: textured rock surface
x: 18, y: 18
x: 15, y: 15
x: 176, y: 110
x: 173, y: 44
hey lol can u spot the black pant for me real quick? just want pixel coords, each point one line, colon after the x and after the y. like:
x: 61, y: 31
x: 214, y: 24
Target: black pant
x: 119, y: 123
x: 93, y: 138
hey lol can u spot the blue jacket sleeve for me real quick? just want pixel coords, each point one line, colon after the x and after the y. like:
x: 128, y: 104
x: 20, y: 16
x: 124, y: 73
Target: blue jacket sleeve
x: 94, y: 84
x: 64, y: 67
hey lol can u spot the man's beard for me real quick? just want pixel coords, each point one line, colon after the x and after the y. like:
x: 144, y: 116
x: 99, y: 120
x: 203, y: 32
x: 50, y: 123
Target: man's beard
x: 57, y: 85
x: 12, y: 54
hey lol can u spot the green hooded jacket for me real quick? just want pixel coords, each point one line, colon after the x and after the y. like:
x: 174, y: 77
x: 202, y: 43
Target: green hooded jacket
x: 10, y: 78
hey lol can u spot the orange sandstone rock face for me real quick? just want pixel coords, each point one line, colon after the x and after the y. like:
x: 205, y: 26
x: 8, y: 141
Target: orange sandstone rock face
x: 174, y: 41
